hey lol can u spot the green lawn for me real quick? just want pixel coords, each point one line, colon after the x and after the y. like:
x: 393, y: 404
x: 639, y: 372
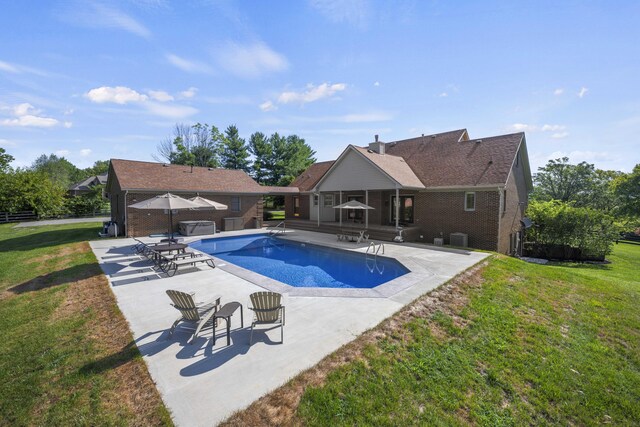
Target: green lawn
x: 531, y: 344
x: 66, y: 355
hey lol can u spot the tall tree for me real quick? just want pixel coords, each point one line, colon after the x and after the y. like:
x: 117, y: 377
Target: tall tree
x: 58, y: 169
x: 196, y: 145
x: 25, y: 190
x: 234, y: 153
x: 627, y: 189
x: 5, y: 161
x: 560, y: 180
x: 99, y: 167
x: 290, y: 157
x: 260, y: 147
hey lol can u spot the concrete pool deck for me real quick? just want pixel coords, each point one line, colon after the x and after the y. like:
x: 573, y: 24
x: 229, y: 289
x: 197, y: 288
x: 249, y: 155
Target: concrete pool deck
x: 203, y: 384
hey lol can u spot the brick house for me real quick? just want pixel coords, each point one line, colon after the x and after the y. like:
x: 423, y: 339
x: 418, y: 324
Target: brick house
x: 131, y: 181
x: 445, y: 183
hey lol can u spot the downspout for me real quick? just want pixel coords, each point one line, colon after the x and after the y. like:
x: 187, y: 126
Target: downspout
x: 126, y: 229
x: 318, y: 209
x: 500, y: 210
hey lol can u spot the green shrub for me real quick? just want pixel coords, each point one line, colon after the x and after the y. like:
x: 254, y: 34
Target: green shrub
x: 559, y: 223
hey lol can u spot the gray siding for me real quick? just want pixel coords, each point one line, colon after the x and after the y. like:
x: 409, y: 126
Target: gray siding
x: 355, y: 173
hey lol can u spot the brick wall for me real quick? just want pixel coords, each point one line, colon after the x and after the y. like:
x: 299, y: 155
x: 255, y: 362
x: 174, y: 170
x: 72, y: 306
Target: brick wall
x: 443, y: 212
x: 142, y: 222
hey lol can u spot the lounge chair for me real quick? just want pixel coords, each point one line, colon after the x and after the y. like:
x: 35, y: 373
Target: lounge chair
x: 194, y: 315
x: 170, y: 265
x: 267, y: 309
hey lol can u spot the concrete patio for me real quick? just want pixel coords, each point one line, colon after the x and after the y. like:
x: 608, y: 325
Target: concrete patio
x: 203, y: 384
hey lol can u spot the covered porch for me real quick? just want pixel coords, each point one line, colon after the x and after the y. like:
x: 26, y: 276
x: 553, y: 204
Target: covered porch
x: 375, y: 231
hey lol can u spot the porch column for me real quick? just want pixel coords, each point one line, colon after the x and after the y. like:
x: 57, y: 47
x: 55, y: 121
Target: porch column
x: 397, y: 207
x: 318, y: 208
x: 366, y: 211
x: 340, y: 209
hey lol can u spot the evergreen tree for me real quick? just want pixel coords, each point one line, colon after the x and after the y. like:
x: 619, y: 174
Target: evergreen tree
x: 260, y: 147
x: 235, y: 153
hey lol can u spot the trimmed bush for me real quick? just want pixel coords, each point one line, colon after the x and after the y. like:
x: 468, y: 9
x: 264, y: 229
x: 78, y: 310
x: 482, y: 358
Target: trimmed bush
x: 564, y: 231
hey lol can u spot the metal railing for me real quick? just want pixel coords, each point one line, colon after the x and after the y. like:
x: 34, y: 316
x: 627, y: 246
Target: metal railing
x: 375, y: 249
x: 277, y: 229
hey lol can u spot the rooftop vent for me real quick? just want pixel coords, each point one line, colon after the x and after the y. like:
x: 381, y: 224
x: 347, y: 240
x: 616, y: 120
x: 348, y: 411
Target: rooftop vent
x: 478, y: 141
x: 433, y: 137
x: 164, y: 165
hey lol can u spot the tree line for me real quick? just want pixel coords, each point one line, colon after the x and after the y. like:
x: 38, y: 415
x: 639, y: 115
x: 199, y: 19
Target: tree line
x: 270, y: 160
x: 43, y: 187
x: 583, y: 207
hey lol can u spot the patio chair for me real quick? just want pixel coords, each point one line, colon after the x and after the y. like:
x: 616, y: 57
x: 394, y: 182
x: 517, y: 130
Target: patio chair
x: 363, y: 236
x: 267, y: 309
x: 170, y: 265
x: 194, y: 315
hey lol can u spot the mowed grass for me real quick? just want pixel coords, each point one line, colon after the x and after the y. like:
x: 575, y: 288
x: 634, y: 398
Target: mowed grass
x: 525, y: 344
x: 66, y: 355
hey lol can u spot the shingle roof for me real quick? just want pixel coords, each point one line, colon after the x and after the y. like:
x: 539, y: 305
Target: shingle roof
x: 89, y: 182
x: 447, y: 159
x: 444, y: 162
x: 136, y: 175
x: 395, y: 166
x: 308, y: 179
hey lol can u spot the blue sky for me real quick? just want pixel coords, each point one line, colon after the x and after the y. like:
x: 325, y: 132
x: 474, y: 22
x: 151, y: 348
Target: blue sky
x: 96, y: 80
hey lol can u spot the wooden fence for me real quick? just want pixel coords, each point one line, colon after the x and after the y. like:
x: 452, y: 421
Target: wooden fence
x: 17, y: 216
x: 32, y: 216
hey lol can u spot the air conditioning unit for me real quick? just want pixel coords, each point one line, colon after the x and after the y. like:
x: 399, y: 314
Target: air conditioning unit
x: 458, y: 239
x: 438, y: 241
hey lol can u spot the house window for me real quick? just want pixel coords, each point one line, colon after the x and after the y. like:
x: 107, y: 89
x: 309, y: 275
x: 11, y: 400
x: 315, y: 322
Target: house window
x: 470, y: 201
x: 235, y: 204
x: 328, y: 200
x: 405, y: 209
x: 315, y: 200
x: 296, y: 206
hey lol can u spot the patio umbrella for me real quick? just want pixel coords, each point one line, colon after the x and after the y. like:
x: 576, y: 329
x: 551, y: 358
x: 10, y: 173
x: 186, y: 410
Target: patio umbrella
x: 209, y: 204
x: 353, y: 204
x: 167, y: 201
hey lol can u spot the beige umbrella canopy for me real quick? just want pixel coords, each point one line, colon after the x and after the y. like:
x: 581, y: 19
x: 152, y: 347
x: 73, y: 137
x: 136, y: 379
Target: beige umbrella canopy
x: 208, y: 204
x: 167, y: 201
x: 353, y: 204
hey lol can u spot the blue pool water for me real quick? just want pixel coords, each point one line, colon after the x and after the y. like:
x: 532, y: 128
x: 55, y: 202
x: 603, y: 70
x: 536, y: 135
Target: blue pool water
x: 303, y: 265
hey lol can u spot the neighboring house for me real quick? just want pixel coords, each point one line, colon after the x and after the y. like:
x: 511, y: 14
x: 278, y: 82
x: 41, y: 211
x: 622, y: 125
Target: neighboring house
x: 133, y: 181
x: 85, y: 186
x: 445, y: 183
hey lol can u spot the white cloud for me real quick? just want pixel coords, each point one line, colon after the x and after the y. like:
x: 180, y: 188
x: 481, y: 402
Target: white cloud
x: 68, y: 124
x: 553, y: 128
x: 354, y: 12
x: 558, y: 91
x: 6, y: 143
x: 172, y: 111
x: 522, y: 127
x: 583, y: 92
x: 68, y: 111
x: 118, y: 95
x: 85, y: 152
x: 268, y: 106
x: 187, y: 65
x: 62, y: 153
x: 560, y: 135
x: 10, y: 68
x: 313, y: 93
x: 160, y: 95
x: 26, y: 115
x: 189, y: 93
x: 251, y: 60
x: 376, y: 84
x: 443, y: 95
x: 96, y: 15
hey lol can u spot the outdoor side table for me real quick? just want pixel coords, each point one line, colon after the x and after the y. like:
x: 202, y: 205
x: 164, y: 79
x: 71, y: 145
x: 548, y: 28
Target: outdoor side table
x: 225, y: 312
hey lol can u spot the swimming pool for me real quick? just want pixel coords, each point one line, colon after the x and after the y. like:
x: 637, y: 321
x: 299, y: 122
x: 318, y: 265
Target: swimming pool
x: 302, y: 264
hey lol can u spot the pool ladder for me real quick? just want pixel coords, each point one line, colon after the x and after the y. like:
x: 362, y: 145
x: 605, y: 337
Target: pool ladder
x: 277, y: 229
x: 375, y: 249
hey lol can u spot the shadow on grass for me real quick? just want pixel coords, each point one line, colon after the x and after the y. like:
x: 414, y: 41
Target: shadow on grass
x: 45, y: 239
x: 56, y: 278
x: 127, y: 354
x: 604, y: 266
